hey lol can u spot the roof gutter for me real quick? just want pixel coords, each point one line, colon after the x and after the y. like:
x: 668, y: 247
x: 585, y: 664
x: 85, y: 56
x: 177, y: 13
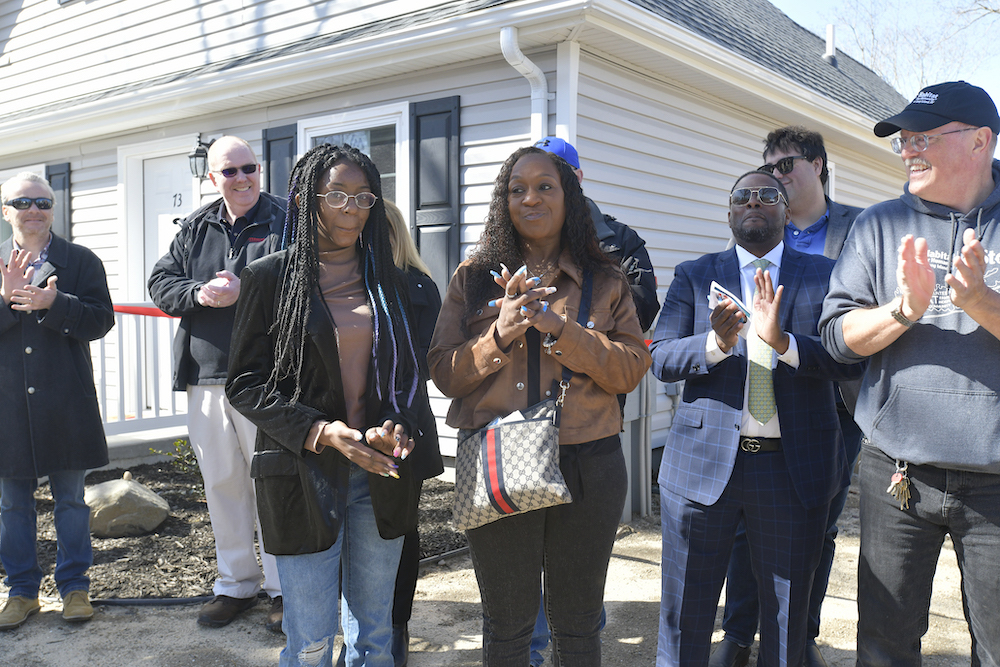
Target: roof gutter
x: 540, y: 95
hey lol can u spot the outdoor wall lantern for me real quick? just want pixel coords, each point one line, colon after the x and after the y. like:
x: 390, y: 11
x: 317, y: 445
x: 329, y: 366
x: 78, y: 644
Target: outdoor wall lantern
x: 198, y: 158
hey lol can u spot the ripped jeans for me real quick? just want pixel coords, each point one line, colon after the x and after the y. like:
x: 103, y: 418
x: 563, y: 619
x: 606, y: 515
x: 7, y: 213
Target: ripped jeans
x: 310, y: 586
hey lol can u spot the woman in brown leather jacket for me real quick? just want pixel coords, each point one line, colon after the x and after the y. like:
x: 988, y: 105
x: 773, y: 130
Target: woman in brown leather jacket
x: 503, y: 338
x: 323, y: 362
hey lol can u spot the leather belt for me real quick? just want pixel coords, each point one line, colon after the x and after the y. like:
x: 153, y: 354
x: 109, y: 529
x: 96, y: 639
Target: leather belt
x: 758, y: 445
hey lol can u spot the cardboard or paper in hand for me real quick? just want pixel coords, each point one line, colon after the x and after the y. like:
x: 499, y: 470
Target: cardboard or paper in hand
x: 717, y: 292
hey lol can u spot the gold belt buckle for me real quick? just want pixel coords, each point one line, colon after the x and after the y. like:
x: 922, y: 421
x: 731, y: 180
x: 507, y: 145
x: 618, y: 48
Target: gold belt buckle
x: 751, y: 445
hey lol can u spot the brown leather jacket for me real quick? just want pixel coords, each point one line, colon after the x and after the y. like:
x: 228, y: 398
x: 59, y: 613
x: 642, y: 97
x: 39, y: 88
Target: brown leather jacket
x: 486, y: 382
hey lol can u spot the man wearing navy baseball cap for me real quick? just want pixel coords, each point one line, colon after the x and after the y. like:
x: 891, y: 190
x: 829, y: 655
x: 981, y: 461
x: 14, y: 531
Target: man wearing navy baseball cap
x: 916, y: 291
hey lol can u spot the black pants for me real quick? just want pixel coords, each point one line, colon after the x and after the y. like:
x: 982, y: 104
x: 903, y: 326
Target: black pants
x: 572, y: 543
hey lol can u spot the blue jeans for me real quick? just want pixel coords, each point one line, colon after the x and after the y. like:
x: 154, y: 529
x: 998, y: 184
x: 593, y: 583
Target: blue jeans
x: 572, y: 543
x: 899, y: 553
x: 742, y: 609
x: 18, y: 533
x: 310, y: 587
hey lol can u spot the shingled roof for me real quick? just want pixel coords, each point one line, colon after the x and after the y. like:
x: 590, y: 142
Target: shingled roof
x: 759, y: 31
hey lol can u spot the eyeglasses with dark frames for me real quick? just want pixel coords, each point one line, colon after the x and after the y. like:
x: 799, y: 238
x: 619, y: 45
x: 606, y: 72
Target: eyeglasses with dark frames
x: 338, y: 199
x: 229, y: 172
x: 768, y: 195
x: 24, y: 203
x: 919, y: 142
x: 784, y: 165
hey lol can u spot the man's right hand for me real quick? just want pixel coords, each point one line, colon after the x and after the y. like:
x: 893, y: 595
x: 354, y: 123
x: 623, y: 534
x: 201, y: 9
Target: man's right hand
x: 914, y: 277
x: 727, y: 320
x: 15, y: 275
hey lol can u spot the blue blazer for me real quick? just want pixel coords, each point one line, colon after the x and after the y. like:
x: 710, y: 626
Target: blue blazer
x: 701, y: 449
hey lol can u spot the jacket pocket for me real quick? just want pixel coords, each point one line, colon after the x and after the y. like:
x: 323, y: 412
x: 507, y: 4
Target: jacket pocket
x: 935, y: 426
x: 689, y: 418
x: 273, y: 463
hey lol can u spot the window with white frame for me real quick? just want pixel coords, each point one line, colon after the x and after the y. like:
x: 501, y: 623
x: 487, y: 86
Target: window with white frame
x: 381, y: 132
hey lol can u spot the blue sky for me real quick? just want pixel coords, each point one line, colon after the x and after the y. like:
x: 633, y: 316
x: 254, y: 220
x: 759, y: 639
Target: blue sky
x: 815, y: 14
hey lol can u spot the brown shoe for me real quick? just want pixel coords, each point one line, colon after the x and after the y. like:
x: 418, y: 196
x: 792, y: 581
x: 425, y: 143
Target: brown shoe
x: 77, y: 607
x: 222, y: 609
x: 275, y: 615
x: 17, y: 610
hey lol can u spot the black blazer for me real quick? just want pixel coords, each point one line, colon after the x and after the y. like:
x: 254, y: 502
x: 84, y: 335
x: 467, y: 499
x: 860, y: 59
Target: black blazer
x: 301, y: 495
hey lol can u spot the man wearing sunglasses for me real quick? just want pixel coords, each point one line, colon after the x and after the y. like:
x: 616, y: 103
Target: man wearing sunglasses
x: 54, y: 301
x: 198, y: 281
x: 916, y: 293
x: 817, y: 225
x: 755, y: 437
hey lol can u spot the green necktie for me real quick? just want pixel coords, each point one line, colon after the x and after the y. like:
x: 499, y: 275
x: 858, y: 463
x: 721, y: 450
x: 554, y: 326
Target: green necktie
x: 761, y: 394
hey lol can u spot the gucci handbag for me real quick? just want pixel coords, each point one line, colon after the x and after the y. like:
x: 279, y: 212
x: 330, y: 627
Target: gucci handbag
x: 511, y: 465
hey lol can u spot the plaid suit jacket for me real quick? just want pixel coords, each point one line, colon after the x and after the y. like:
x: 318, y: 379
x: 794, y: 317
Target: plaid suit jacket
x: 701, y: 449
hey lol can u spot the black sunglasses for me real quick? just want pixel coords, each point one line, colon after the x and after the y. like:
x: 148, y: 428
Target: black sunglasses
x: 767, y: 195
x: 784, y: 165
x: 229, y: 172
x: 24, y: 203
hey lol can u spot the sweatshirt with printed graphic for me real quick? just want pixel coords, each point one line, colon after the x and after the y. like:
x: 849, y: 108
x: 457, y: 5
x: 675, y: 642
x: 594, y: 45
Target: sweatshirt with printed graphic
x: 933, y: 395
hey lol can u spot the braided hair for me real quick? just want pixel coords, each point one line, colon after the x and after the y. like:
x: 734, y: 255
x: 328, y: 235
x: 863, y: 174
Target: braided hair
x: 500, y: 241
x: 393, y: 348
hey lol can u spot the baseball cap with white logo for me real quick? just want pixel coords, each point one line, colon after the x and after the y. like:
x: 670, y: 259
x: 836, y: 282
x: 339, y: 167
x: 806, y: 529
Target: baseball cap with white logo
x: 941, y: 104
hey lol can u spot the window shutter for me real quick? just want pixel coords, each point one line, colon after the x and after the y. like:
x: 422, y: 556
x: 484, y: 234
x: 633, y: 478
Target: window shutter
x: 434, y: 185
x: 58, y: 177
x: 279, y: 158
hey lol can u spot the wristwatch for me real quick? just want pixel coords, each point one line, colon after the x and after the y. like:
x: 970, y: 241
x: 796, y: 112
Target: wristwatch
x: 897, y: 314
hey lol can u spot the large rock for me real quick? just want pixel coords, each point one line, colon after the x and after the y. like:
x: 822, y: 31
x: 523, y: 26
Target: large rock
x: 124, y: 508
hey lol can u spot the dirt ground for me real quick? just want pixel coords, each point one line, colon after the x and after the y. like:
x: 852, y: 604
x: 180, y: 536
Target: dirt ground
x: 446, y: 626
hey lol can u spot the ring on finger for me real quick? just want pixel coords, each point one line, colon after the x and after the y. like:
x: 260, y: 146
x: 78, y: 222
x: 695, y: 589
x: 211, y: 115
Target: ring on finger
x: 510, y: 296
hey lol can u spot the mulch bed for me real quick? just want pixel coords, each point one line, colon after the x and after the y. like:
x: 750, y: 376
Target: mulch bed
x: 177, y: 560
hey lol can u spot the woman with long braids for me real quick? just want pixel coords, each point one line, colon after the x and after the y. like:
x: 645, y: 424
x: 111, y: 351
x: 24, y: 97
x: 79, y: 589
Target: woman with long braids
x: 323, y: 361
x: 503, y: 338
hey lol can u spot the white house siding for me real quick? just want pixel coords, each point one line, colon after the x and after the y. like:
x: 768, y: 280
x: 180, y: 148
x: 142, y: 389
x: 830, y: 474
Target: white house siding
x: 662, y: 159
x: 80, y: 48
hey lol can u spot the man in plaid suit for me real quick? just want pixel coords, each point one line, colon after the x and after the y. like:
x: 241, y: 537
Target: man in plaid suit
x: 755, y: 441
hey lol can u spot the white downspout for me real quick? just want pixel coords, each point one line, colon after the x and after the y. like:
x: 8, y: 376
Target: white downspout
x: 540, y: 95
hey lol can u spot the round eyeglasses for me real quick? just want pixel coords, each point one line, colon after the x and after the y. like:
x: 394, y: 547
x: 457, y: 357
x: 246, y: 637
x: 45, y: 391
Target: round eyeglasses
x: 768, y: 195
x: 338, y: 199
x: 919, y: 142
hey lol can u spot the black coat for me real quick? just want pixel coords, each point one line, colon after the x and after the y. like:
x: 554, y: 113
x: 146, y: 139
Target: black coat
x: 48, y: 403
x: 425, y: 303
x: 301, y: 495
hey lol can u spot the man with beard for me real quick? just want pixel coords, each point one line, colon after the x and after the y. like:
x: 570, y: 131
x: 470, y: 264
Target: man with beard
x: 756, y: 437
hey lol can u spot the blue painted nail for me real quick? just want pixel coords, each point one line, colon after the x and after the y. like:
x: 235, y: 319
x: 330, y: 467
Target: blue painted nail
x: 525, y: 311
x: 523, y: 269
x: 545, y: 306
x: 495, y: 274
x: 492, y: 304
x: 534, y: 280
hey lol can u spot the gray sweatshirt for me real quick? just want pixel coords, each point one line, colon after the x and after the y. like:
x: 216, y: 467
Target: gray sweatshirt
x: 931, y: 397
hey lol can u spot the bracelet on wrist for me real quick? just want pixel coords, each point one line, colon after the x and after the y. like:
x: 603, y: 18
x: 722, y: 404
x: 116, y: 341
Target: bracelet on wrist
x: 897, y: 314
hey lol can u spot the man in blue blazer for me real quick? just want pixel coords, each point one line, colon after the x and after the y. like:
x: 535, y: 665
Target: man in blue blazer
x: 817, y: 225
x: 776, y: 460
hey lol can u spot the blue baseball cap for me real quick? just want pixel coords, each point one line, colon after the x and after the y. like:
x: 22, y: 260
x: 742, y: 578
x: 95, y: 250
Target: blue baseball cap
x: 560, y: 147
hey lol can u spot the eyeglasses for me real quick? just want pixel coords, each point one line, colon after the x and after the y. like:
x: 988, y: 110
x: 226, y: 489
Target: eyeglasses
x: 767, y: 195
x: 919, y: 142
x: 338, y: 199
x: 784, y: 165
x: 229, y: 172
x: 24, y: 203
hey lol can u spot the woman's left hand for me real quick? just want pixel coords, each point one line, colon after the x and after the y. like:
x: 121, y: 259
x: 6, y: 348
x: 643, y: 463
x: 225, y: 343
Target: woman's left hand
x: 390, y: 439
x: 523, y: 306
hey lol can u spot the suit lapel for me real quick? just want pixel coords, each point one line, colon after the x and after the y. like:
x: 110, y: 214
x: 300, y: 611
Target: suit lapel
x: 790, y: 276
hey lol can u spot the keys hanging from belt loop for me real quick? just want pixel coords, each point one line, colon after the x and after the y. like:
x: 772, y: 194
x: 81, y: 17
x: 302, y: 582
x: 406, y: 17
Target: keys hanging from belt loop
x: 899, y: 486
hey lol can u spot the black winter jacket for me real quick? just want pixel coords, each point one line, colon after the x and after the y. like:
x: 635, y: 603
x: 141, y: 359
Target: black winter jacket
x: 301, y: 495
x: 202, y: 247
x: 48, y: 403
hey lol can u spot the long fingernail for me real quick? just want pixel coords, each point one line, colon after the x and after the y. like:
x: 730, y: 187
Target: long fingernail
x: 545, y: 306
x: 550, y: 290
x: 393, y: 465
x: 534, y: 280
x: 525, y: 311
x: 402, y: 457
x: 523, y: 269
x: 384, y: 474
x: 393, y: 474
x: 495, y: 274
x: 504, y: 267
x: 493, y: 303
x: 396, y: 452
x: 383, y: 433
